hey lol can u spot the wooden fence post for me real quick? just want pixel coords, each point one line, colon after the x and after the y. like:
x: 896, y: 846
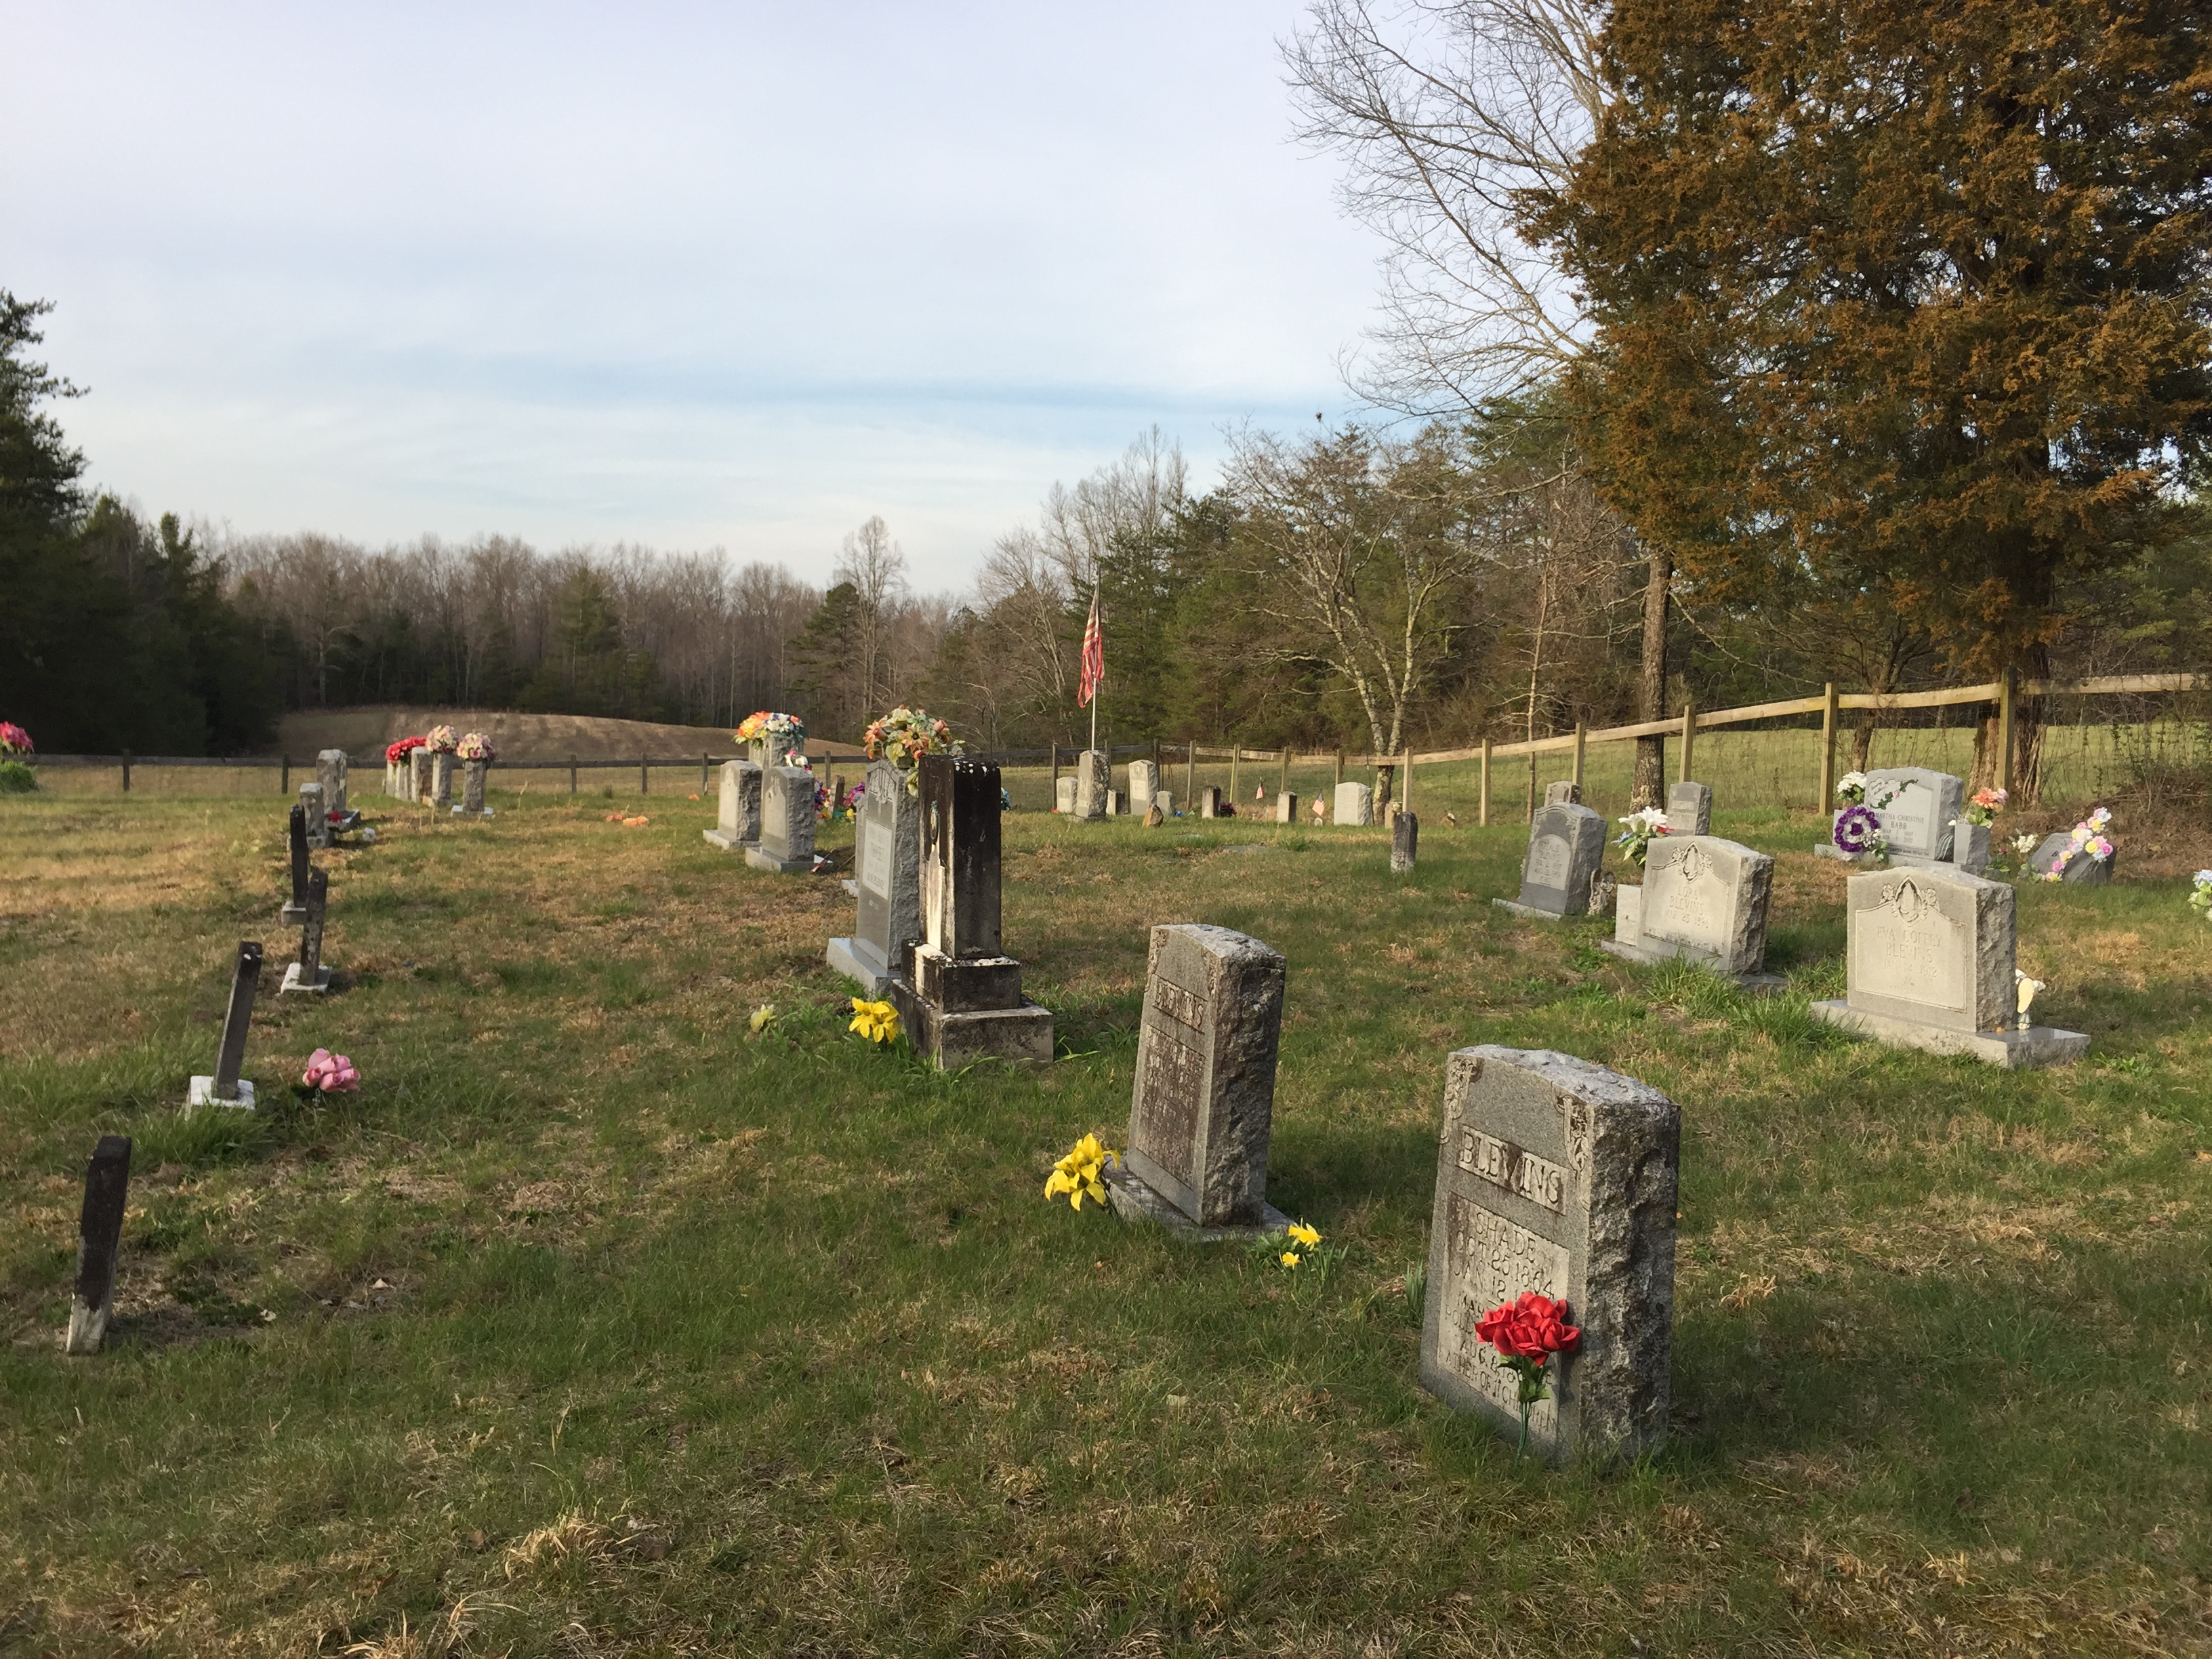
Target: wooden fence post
x: 1339, y: 777
x: 1482, y: 816
x: 1236, y: 753
x: 284, y: 776
x: 1689, y: 734
x: 1827, y: 750
x: 572, y: 775
x: 644, y: 783
x: 1285, y: 786
x: 126, y: 771
x: 1581, y: 734
x: 2006, y: 693
x: 1404, y: 782
x: 702, y: 774
x: 1532, y: 786
x: 1190, y: 775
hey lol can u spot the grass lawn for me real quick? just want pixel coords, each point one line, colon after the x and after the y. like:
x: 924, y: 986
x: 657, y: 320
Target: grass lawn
x: 592, y: 1326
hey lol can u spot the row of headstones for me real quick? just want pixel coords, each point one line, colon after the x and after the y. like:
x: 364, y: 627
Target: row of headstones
x: 1923, y: 822
x: 765, y: 809
x: 427, y: 774
x: 1931, y: 948
x: 1084, y: 794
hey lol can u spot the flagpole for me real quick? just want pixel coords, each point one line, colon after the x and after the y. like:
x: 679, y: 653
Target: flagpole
x: 1098, y: 605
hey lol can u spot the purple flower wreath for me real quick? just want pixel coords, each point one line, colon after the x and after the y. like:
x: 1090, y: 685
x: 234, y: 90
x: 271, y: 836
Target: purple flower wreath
x: 1856, y: 830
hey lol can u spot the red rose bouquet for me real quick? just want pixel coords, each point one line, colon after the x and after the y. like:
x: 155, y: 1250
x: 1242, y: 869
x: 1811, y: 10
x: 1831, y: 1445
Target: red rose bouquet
x: 1527, y: 1332
x: 394, y: 753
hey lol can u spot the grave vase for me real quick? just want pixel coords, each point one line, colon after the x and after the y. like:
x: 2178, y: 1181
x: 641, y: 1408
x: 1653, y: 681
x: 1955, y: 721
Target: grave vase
x: 1970, y: 846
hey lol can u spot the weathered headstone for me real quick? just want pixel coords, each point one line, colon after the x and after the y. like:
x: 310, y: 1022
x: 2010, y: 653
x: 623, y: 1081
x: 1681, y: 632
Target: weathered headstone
x: 331, y: 773
x: 787, y: 829
x: 2080, y: 870
x: 441, y: 778
x: 1163, y: 799
x: 1929, y: 964
x: 1286, y: 806
x: 887, y: 866
x: 1209, y: 802
x: 316, y: 813
x: 1144, y: 780
x: 1566, y: 845
x: 1564, y: 792
x: 1704, y: 900
x: 1690, y: 809
x: 1090, y: 785
x: 309, y: 973
x: 296, y: 907
x: 1917, y: 819
x: 226, y: 1087
x: 774, y: 748
x: 1557, y: 1176
x: 1970, y: 846
x: 99, y: 1242
x: 1063, y: 794
x: 738, y: 817
x: 1405, y: 843
x: 1116, y: 806
x: 1355, y: 804
x: 1202, y: 1110
x: 472, y: 786
x: 961, y: 996
x: 419, y: 770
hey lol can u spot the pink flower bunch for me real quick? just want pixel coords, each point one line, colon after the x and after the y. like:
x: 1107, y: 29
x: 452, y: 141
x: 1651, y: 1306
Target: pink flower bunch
x: 443, y: 740
x: 334, y: 1075
x: 14, y: 740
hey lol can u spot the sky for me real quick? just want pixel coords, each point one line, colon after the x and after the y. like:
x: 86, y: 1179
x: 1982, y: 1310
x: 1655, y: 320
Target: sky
x: 690, y: 276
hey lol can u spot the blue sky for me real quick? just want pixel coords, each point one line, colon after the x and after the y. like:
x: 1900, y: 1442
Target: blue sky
x: 684, y: 276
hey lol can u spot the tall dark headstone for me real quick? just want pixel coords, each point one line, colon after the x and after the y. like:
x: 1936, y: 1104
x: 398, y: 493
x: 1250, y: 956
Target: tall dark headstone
x: 295, y: 908
x: 1566, y: 845
x: 226, y: 1087
x: 316, y: 811
x: 961, y: 997
x: 308, y: 973
x: 99, y: 1241
x: 1405, y: 843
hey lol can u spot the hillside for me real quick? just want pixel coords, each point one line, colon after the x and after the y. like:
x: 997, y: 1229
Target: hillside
x: 518, y: 737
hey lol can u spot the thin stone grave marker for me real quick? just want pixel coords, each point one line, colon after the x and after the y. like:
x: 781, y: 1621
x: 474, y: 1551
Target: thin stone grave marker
x: 226, y: 1087
x: 309, y: 973
x: 1690, y: 809
x: 1405, y: 843
x: 296, y: 907
x: 887, y: 869
x: 99, y: 1243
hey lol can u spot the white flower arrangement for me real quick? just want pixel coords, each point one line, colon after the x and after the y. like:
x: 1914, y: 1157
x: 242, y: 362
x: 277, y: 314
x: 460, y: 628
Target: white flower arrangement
x: 2200, y: 895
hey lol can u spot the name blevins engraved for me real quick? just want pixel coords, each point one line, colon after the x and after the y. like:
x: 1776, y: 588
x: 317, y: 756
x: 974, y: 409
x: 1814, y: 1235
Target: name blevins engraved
x: 1504, y: 1164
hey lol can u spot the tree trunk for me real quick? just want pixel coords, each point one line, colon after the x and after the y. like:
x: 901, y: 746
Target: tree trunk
x: 1862, y: 742
x: 1651, y: 785
x: 1385, y: 780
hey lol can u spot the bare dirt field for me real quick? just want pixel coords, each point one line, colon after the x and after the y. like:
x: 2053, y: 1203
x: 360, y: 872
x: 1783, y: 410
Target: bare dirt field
x: 518, y: 737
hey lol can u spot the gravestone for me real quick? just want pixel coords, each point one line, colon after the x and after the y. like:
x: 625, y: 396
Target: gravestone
x: 309, y: 973
x: 1063, y: 795
x: 441, y: 778
x: 1209, y: 802
x: 99, y: 1242
x: 961, y: 996
x: 1970, y: 846
x: 1405, y: 843
x: 1116, y: 805
x: 472, y: 786
x: 772, y: 750
x: 1355, y: 804
x: 226, y: 1087
x: 1164, y: 802
x: 419, y: 769
x: 1557, y: 1176
x: 1566, y: 845
x: 1916, y: 823
x: 738, y: 816
x: 1202, y: 1110
x: 2080, y: 870
x: 316, y: 814
x: 887, y: 866
x: 1286, y: 806
x: 331, y: 773
x: 1929, y: 964
x: 786, y: 826
x: 1690, y: 809
x: 1566, y: 793
x: 1144, y: 782
x: 1704, y: 900
x: 1090, y: 790
x: 296, y: 907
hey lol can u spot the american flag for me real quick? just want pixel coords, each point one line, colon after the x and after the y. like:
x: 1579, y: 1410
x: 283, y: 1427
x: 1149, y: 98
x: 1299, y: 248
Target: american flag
x: 1094, y: 657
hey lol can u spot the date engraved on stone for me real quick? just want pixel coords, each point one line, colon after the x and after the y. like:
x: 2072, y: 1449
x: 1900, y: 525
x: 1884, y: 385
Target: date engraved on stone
x: 1549, y: 860
x: 1488, y: 1260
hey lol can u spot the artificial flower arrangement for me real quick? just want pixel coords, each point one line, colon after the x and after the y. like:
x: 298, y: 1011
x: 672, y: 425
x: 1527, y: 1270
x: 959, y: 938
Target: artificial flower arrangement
x: 395, y: 753
x: 333, y: 1074
x: 878, y: 1022
x: 15, y: 741
x: 475, y: 747
x: 1851, y: 790
x: 1082, y: 1173
x: 763, y: 724
x: 2200, y: 895
x: 2022, y: 845
x: 763, y: 1019
x: 1638, y: 831
x: 16, y: 749
x: 442, y: 740
x: 903, y: 737
x: 2088, y: 838
x: 1527, y: 1332
x: 1858, y: 829
x: 1982, y: 811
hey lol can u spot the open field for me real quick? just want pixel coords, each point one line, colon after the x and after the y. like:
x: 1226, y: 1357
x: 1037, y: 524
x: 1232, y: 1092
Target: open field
x: 591, y: 1325
x: 517, y: 735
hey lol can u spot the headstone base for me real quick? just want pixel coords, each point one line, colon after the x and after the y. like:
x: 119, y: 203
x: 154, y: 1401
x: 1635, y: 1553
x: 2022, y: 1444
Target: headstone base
x: 857, y: 960
x: 761, y: 861
x: 1828, y: 850
x: 728, y: 842
x: 1657, y: 955
x: 2038, y: 1045
x: 202, y: 1093
x: 292, y: 915
x: 293, y: 981
x: 1135, y: 1200
x: 87, y: 1327
x: 1531, y: 911
x: 1019, y: 1036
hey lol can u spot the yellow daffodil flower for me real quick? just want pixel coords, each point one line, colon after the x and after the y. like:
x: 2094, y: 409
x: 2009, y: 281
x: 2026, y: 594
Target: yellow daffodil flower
x: 1304, y: 1234
x: 763, y: 1017
x: 878, y: 1022
x: 1081, y: 1174
x: 1290, y: 1258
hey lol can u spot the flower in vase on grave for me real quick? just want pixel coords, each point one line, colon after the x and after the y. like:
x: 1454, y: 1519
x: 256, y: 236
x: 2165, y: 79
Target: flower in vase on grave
x: 14, y: 740
x: 1082, y: 1173
x: 1638, y: 831
x: 1851, y: 788
x: 442, y: 740
x: 475, y: 747
x: 1982, y: 811
x: 1527, y: 1332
